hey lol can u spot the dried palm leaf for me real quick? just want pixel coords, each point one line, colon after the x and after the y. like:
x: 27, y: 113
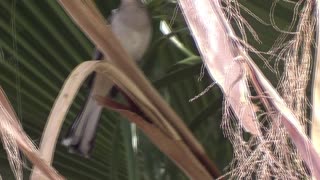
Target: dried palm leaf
x: 315, y: 128
x: 15, y: 139
x: 222, y: 51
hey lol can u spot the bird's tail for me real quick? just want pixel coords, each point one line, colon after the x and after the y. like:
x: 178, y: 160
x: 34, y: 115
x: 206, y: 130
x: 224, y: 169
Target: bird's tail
x: 81, y: 135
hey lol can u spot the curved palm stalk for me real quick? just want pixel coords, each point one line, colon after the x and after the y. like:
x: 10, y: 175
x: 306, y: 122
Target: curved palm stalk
x: 167, y: 140
x: 90, y: 21
x: 315, y: 129
x: 14, y: 138
x: 205, y: 18
x: 176, y: 150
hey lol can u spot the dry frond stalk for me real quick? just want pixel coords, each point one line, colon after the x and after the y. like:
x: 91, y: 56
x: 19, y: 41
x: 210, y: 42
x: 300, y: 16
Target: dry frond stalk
x: 174, y: 149
x: 15, y: 139
x: 71, y: 87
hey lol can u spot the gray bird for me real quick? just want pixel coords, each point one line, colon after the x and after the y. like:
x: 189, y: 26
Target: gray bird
x: 132, y: 26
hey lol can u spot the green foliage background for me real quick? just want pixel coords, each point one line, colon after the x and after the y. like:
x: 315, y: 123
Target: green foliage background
x: 39, y: 47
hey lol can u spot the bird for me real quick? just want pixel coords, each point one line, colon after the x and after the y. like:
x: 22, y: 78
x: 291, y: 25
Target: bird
x: 131, y: 24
